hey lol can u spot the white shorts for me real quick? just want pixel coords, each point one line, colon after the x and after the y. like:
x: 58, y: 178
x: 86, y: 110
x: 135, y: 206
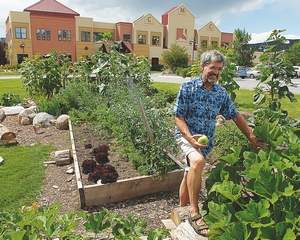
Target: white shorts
x: 187, y: 148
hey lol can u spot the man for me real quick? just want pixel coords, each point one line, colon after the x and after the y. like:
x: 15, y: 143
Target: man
x: 198, y: 103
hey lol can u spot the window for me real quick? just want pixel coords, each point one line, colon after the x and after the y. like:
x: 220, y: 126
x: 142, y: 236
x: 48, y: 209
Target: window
x: 156, y: 40
x: 21, y: 33
x: 141, y: 39
x: 85, y: 36
x: 214, y: 44
x: 181, y: 34
x: 64, y: 35
x: 204, y: 44
x: 21, y: 57
x: 127, y: 37
x: 97, y: 36
x: 43, y: 34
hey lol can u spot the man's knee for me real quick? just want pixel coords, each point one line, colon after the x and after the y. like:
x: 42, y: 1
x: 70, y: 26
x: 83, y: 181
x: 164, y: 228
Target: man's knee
x: 198, y: 163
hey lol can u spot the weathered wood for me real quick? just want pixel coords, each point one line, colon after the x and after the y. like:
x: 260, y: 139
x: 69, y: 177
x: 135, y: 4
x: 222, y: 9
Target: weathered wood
x: 124, y: 189
x: 76, y: 167
x: 169, y: 224
x: 180, y: 214
x: 184, y: 231
x: 6, y: 134
x: 62, y: 157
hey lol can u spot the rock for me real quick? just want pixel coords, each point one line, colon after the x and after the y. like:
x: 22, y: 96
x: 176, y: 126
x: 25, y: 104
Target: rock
x: 70, y: 171
x: 55, y: 186
x: 1, y: 160
x: 29, y: 103
x: 62, y: 122
x: 25, y: 121
x: 42, y: 119
x: 14, y: 110
x: 2, y: 115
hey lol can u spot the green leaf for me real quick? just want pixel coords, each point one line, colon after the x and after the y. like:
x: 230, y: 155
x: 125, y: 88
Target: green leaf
x: 233, y: 157
x: 228, y: 190
x: 218, y: 216
x: 254, y: 212
x: 289, y: 235
x: 17, y: 235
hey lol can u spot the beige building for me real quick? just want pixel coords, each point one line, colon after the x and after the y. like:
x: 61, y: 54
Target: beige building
x: 147, y: 38
x: 179, y: 26
x: 88, y: 32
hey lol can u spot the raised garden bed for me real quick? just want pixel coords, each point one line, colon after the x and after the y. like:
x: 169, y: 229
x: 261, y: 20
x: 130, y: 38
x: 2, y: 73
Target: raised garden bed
x: 126, y: 187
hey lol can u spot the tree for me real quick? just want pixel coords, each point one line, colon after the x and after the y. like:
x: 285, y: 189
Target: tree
x: 293, y: 53
x: 106, y: 36
x: 243, y: 54
x: 175, y: 57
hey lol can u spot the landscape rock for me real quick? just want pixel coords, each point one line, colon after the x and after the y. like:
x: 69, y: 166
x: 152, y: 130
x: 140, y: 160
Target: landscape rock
x: 70, y: 171
x: 62, y: 122
x: 14, y: 110
x: 62, y: 157
x: 25, y: 121
x: 2, y: 115
x: 42, y: 119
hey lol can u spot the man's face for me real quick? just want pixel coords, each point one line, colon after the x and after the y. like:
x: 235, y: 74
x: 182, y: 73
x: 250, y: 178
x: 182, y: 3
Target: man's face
x: 211, y: 71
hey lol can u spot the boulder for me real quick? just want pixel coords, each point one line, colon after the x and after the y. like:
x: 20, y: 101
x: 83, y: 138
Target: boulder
x: 25, y: 121
x: 14, y: 110
x: 42, y: 119
x: 2, y: 115
x: 62, y: 122
x: 26, y: 116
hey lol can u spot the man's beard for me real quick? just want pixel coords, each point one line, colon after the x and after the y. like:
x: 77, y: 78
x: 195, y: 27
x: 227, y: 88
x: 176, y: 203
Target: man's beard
x: 212, y: 79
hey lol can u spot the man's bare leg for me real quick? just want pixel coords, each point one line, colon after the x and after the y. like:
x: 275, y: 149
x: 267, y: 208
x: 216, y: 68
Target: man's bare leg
x: 194, y: 179
x: 183, y: 191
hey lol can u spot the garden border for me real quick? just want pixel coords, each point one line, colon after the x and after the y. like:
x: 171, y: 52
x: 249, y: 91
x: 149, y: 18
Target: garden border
x: 97, y: 194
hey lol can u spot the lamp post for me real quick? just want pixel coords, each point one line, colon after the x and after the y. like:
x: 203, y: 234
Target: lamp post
x: 22, y: 46
x: 193, y: 44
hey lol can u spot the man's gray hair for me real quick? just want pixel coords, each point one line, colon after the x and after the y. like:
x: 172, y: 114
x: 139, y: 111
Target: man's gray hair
x: 211, y: 56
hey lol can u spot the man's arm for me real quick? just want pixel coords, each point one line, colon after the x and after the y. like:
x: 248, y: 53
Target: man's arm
x: 247, y: 131
x: 185, y: 132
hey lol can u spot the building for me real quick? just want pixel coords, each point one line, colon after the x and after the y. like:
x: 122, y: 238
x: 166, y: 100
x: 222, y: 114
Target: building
x: 50, y: 26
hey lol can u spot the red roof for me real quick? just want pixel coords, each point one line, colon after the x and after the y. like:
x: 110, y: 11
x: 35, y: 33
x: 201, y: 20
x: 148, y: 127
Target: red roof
x: 51, y: 6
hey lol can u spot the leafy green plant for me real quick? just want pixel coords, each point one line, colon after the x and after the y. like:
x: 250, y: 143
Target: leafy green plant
x: 45, y: 76
x: 175, y: 57
x: 9, y: 99
x: 255, y: 195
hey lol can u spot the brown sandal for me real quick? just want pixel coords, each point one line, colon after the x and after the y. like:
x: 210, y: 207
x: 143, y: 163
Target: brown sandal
x: 201, y: 229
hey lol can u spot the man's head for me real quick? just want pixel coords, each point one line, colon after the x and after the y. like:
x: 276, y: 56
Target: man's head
x: 211, y: 63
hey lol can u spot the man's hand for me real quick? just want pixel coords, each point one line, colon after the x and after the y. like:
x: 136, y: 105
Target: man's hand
x: 195, y: 144
x: 256, y: 143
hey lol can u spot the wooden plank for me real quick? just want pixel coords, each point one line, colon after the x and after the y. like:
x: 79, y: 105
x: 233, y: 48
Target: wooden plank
x: 98, y: 194
x: 184, y: 231
x: 180, y: 214
x: 76, y: 167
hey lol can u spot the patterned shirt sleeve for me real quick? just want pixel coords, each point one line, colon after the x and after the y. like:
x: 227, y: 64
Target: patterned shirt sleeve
x: 228, y: 109
x: 180, y: 108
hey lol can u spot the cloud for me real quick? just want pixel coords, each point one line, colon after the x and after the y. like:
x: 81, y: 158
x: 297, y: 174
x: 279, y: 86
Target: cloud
x: 261, y: 37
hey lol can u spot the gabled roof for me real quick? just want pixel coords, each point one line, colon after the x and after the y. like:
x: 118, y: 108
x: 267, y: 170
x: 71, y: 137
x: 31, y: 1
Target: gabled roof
x: 146, y: 15
x: 51, y: 6
x: 176, y: 7
x: 210, y: 22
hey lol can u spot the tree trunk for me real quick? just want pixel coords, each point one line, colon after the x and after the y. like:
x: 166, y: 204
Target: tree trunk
x: 6, y: 134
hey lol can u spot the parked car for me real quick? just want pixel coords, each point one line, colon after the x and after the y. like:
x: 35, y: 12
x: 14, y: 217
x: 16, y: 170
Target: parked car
x: 253, y: 73
x: 241, y: 71
x: 297, y: 71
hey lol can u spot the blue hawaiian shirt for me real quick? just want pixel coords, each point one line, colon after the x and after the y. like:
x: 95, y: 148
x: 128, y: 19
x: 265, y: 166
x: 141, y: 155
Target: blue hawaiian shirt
x: 199, y: 107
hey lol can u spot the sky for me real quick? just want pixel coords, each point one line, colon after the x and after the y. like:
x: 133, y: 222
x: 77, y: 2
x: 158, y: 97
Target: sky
x: 257, y: 17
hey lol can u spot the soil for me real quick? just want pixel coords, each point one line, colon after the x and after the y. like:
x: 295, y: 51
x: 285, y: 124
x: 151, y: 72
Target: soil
x: 60, y: 187
x: 83, y: 136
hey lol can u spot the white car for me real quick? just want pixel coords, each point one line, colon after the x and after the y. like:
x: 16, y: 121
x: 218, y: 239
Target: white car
x: 252, y: 73
x: 297, y: 71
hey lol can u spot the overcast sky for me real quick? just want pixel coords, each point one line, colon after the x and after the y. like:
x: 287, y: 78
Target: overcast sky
x: 258, y: 17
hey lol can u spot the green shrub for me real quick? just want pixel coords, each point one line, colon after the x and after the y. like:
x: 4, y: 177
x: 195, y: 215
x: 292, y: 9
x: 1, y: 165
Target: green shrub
x: 175, y: 57
x: 184, y: 72
x: 9, y: 99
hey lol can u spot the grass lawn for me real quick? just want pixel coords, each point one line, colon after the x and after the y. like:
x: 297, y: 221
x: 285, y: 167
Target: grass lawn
x: 9, y: 73
x: 244, y: 99
x: 12, y: 86
x: 21, y: 175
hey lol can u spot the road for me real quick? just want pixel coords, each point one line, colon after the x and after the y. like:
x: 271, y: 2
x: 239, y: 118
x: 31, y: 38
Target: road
x: 246, y: 83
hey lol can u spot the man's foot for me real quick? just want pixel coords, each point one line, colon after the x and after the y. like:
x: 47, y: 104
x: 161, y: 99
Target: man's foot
x: 198, y: 224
